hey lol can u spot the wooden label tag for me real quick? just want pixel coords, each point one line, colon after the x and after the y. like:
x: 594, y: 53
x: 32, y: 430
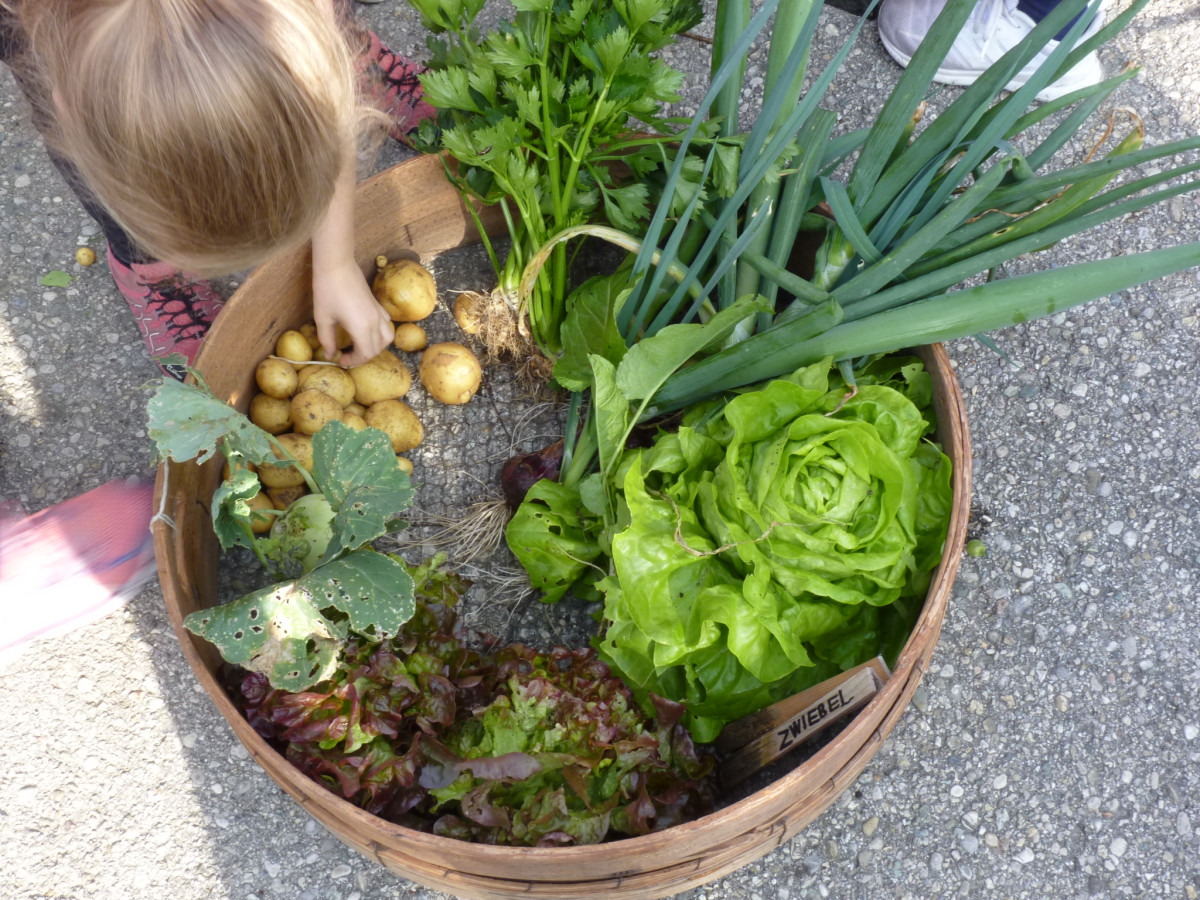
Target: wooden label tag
x: 762, y: 737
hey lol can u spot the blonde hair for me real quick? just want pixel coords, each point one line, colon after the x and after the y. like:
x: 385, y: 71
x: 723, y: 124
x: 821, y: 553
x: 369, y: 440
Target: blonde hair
x: 212, y: 130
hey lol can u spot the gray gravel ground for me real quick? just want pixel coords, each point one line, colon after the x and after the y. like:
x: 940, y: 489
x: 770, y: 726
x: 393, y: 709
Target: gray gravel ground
x: 1053, y: 751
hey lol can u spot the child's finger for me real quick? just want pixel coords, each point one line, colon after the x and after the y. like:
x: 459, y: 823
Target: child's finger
x: 372, y: 345
x: 327, y: 336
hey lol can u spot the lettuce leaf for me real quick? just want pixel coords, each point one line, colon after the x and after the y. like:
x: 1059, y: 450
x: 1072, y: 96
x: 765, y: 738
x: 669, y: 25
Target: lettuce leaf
x: 505, y: 745
x: 776, y: 540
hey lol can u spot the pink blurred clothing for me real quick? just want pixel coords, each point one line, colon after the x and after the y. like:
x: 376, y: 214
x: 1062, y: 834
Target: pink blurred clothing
x: 72, y: 563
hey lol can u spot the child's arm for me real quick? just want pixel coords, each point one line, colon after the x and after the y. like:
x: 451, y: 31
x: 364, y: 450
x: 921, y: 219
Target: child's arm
x: 340, y: 292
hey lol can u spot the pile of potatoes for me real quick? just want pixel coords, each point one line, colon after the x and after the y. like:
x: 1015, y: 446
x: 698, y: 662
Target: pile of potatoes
x: 300, y: 390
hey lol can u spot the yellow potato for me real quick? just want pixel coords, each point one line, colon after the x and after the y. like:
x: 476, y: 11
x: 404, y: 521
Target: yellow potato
x: 353, y: 420
x: 276, y: 378
x: 294, y: 346
x: 260, y: 524
x: 312, y: 409
x: 450, y: 372
x: 287, y: 476
x: 380, y: 379
x: 405, y: 289
x: 330, y: 380
x: 309, y: 330
x: 301, y: 448
x: 396, y: 419
x: 469, y: 311
x: 85, y: 256
x: 356, y: 409
x: 282, y: 498
x: 271, y: 414
x: 410, y: 337
x: 405, y: 464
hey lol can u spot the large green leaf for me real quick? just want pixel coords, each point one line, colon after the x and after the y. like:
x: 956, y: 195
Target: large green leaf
x: 591, y: 327
x: 358, y: 474
x: 652, y: 360
x: 374, y: 591
x: 187, y: 421
x: 276, y: 631
x: 553, y: 537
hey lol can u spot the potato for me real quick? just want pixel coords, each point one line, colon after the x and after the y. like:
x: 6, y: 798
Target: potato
x: 405, y: 289
x: 410, y: 337
x: 294, y: 346
x: 300, y: 446
x: 312, y: 409
x: 356, y: 409
x: 380, y: 379
x: 282, y: 498
x: 469, y: 311
x: 353, y: 420
x: 450, y: 372
x: 405, y: 464
x: 309, y: 330
x: 85, y: 256
x: 271, y: 414
x: 330, y: 380
x: 276, y: 378
x: 261, y: 524
x: 396, y: 419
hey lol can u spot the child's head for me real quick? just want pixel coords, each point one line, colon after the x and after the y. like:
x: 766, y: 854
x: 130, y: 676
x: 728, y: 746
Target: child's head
x: 213, y: 130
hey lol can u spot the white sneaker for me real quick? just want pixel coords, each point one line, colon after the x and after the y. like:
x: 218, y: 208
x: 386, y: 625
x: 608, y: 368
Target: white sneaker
x: 994, y: 28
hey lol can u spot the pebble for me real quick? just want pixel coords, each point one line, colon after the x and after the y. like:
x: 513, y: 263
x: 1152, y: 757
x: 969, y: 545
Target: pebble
x: 870, y: 825
x: 340, y: 871
x: 935, y: 861
x: 272, y: 869
x: 1025, y: 857
x: 1118, y: 846
x: 1000, y: 782
x: 1183, y: 824
x: 22, y: 181
x: 1190, y: 732
x: 921, y: 699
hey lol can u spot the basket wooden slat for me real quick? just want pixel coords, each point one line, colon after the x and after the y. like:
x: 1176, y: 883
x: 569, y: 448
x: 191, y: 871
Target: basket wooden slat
x: 412, y: 210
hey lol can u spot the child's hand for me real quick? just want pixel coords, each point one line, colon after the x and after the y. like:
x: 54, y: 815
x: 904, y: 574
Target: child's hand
x: 341, y: 297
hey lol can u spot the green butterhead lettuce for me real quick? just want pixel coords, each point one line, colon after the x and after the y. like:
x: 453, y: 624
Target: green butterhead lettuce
x: 776, y: 540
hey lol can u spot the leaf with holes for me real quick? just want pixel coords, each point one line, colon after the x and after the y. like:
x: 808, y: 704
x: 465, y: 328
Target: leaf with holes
x: 277, y: 631
x: 358, y: 473
x: 187, y: 421
x: 374, y: 591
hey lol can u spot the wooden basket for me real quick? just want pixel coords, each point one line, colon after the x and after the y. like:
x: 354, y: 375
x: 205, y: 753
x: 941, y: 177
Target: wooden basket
x: 412, y: 209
